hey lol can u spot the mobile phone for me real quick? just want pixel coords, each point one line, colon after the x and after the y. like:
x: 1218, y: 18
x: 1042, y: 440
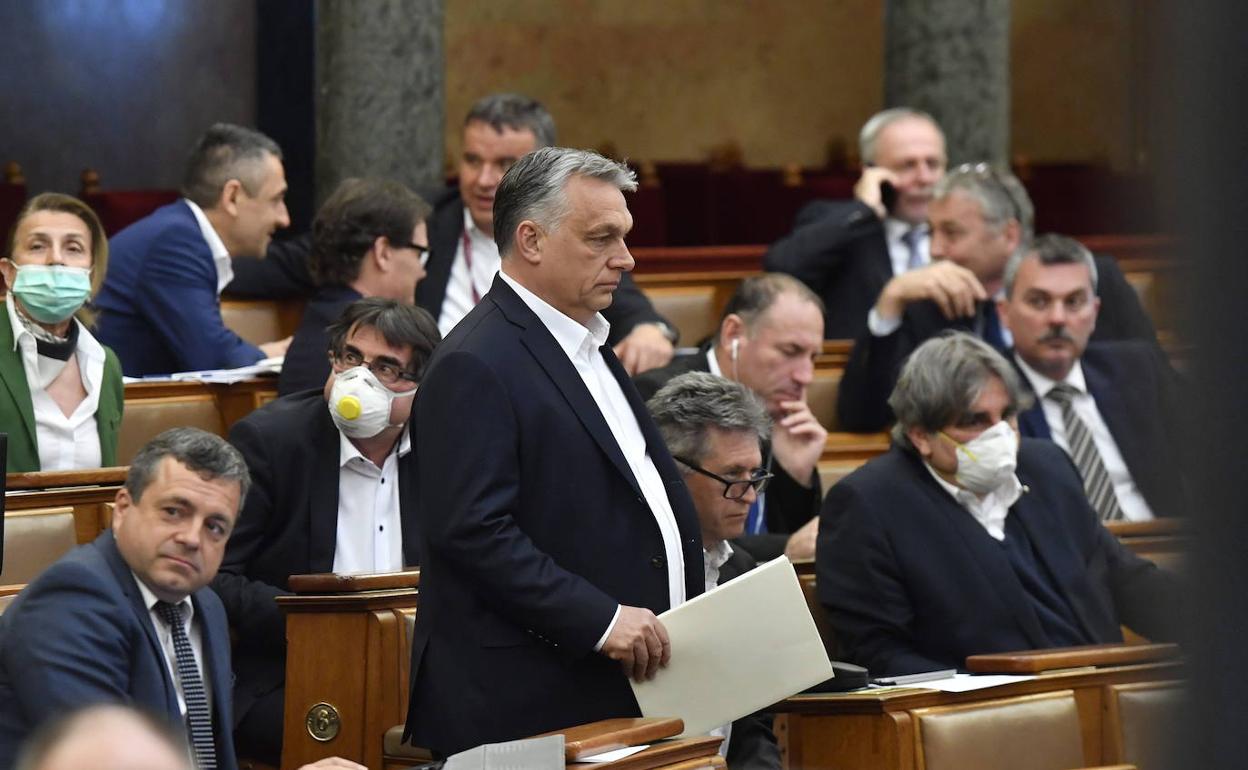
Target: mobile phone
x: 888, y: 195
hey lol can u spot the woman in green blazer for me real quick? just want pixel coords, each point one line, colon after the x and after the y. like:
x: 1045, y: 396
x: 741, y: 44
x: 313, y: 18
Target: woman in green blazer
x: 60, y: 389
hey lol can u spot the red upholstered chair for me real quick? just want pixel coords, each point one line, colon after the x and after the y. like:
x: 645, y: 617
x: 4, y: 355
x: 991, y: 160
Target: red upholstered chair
x: 12, y: 197
x: 118, y: 208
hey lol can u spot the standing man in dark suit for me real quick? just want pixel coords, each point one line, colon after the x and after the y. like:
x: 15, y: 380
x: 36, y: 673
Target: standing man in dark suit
x: 1114, y: 407
x: 771, y: 331
x: 160, y: 303
x: 962, y: 540
x: 846, y: 251
x: 980, y: 215
x: 110, y: 621
x: 554, y: 524
x: 334, y: 490
x: 463, y: 258
x: 368, y: 240
x: 714, y: 427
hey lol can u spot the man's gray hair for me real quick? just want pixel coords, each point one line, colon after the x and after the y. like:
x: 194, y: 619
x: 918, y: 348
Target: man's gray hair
x: 941, y: 380
x: 517, y: 112
x: 1050, y: 249
x: 205, y: 453
x: 875, y: 125
x: 225, y: 152
x: 1000, y: 195
x: 691, y: 404
x: 534, y: 188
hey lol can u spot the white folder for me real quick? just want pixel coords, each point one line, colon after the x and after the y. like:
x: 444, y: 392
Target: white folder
x: 742, y: 646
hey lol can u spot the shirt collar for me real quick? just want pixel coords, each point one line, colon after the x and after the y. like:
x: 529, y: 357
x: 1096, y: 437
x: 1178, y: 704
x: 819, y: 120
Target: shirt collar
x: 712, y: 362
x: 220, y: 254
x: 718, y: 556
x: 87, y: 348
x: 1006, y: 494
x: 470, y: 226
x: 347, y: 451
x: 150, y: 599
x: 1041, y: 385
x: 570, y: 334
x: 894, y: 229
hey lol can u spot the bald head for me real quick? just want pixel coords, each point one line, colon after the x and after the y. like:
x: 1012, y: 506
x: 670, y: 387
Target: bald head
x: 105, y: 738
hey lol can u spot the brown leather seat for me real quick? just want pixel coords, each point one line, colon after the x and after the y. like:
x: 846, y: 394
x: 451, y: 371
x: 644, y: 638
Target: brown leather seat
x: 1141, y: 717
x: 691, y: 310
x: 821, y: 395
x: 256, y: 321
x: 145, y: 418
x: 33, y: 539
x: 1030, y: 732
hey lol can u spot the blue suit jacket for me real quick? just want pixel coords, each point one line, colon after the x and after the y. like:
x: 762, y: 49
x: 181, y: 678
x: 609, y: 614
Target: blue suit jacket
x: 1137, y: 395
x: 79, y: 634
x: 158, y: 306
x: 532, y: 530
x: 912, y: 582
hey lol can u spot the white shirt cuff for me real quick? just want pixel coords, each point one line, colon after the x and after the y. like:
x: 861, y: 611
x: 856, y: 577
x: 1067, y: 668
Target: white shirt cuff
x: 881, y: 327
x: 603, y: 639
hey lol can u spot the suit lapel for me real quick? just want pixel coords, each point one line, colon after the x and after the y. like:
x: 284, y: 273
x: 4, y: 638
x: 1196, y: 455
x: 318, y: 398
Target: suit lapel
x: 1032, y: 422
x: 323, y: 502
x: 1116, y: 408
x: 408, y: 497
x: 14, y: 376
x: 216, y: 665
x: 446, y: 226
x: 988, y: 556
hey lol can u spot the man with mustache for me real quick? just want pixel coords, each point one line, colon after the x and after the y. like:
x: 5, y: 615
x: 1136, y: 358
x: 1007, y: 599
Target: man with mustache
x: 1113, y: 406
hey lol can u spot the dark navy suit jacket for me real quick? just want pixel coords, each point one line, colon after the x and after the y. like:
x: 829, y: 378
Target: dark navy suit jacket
x: 839, y: 250
x: 158, y: 306
x: 288, y: 526
x: 533, y: 529
x: 79, y: 634
x: 1137, y: 395
x: 912, y: 582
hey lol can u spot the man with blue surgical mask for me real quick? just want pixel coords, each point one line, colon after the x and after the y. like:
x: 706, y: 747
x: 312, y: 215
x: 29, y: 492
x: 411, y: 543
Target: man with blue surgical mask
x: 334, y: 490
x: 965, y: 539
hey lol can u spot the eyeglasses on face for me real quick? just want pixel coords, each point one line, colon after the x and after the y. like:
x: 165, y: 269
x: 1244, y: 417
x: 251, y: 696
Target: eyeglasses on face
x: 420, y: 249
x: 734, y: 489
x: 386, y: 372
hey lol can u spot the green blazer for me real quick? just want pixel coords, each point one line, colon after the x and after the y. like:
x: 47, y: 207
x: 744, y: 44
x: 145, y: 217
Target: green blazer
x: 17, y: 411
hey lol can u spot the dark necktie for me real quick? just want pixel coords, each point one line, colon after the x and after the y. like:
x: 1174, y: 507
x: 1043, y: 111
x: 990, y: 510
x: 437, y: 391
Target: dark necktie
x: 1087, y: 459
x: 911, y: 238
x: 990, y: 326
x: 198, y: 715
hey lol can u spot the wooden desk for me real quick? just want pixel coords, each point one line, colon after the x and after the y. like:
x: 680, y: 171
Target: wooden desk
x: 874, y: 731
x: 89, y: 492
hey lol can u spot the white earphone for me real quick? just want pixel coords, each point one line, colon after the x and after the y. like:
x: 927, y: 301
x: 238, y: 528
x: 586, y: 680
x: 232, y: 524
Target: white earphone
x: 735, y: 343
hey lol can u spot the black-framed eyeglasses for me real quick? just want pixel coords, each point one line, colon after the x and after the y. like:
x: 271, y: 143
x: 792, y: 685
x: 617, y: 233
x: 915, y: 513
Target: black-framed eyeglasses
x: 734, y: 489
x: 385, y: 372
x: 420, y: 249
x: 990, y: 173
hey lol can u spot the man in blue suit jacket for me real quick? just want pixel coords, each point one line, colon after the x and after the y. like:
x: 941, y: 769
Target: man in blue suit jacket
x: 87, y: 630
x: 962, y: 540
x: 159, y: 305
x: 1123, y: 392
x: 554, y: 523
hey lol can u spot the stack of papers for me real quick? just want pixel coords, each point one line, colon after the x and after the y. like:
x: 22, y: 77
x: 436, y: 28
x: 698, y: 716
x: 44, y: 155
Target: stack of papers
x: 262, y: 368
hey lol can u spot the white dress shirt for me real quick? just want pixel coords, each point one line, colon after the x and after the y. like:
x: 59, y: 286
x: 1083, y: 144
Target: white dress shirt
x: 898, y: 252
x: 370, y: 534
x: 1130, y: 500
x: 582, y: 346
x: 193, y: 632
x: 485, y: 261
x: 220, y: 254
x: 64, y: 443
x: 712, y: 560
x: 990, y: 510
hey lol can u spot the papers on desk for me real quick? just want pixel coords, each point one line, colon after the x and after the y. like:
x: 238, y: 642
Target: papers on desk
x: 738, y: 648
x: 965, y: 682
x: 263, y: 367
x: 611, y: 756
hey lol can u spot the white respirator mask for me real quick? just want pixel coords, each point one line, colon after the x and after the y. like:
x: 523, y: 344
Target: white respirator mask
x: 359, y: 404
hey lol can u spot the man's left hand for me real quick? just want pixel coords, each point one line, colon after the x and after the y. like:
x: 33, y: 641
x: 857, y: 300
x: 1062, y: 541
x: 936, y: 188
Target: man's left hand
x: 797, y: 441
x: 645, y: 347
x: 801, y: 543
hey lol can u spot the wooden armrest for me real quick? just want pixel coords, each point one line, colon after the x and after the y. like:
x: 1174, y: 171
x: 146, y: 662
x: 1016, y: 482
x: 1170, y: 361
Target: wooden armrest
x: 610, y: 734
x: 1170, y: 526
x: 353, y: 582
x: 1036, y: 661
x: 54, y: 479
x: 12, y: 590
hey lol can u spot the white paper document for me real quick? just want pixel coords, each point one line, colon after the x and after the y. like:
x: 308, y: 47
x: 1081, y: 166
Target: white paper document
x: 968, y: 682
x: 735, y: 649
x: 611, y: 756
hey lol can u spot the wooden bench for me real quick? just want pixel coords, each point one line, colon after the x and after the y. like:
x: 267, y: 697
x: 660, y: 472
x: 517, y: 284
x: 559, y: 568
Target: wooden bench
x: 260, y: 321
x: 152, y: 407
x: 89, y: 493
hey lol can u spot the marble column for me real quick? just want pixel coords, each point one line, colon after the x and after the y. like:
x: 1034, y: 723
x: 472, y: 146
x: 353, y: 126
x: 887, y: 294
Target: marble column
x: 952, y: 59
x: 379, y: 91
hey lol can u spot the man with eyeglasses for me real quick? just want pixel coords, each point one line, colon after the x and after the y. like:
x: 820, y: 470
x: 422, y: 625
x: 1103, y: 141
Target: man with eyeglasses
x: 368, y: 240
x: 979, y: 216
x: 714, y: 429
x: 334, y: 489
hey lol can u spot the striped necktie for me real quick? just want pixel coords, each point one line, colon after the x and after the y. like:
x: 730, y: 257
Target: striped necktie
x: 911, y: 239
x: 198, y: 715
x: 1096, y: 483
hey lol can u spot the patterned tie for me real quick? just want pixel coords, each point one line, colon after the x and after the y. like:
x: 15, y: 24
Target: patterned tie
x: 911, y: 238
x: 198, y: 716
x: 1096, y: 481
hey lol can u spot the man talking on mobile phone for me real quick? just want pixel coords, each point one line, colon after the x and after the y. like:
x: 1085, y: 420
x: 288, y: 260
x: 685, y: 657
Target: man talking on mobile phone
x: 846, y: 251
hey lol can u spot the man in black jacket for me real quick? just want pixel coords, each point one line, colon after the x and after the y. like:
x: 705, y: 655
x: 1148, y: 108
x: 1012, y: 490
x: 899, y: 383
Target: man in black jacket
x: 770, y: 333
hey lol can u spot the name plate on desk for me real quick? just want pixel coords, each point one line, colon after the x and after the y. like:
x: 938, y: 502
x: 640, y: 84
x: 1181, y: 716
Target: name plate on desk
x: 736, y: 649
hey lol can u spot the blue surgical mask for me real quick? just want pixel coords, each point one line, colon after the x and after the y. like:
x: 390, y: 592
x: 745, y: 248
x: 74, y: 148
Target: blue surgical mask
x: 52, y: 293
